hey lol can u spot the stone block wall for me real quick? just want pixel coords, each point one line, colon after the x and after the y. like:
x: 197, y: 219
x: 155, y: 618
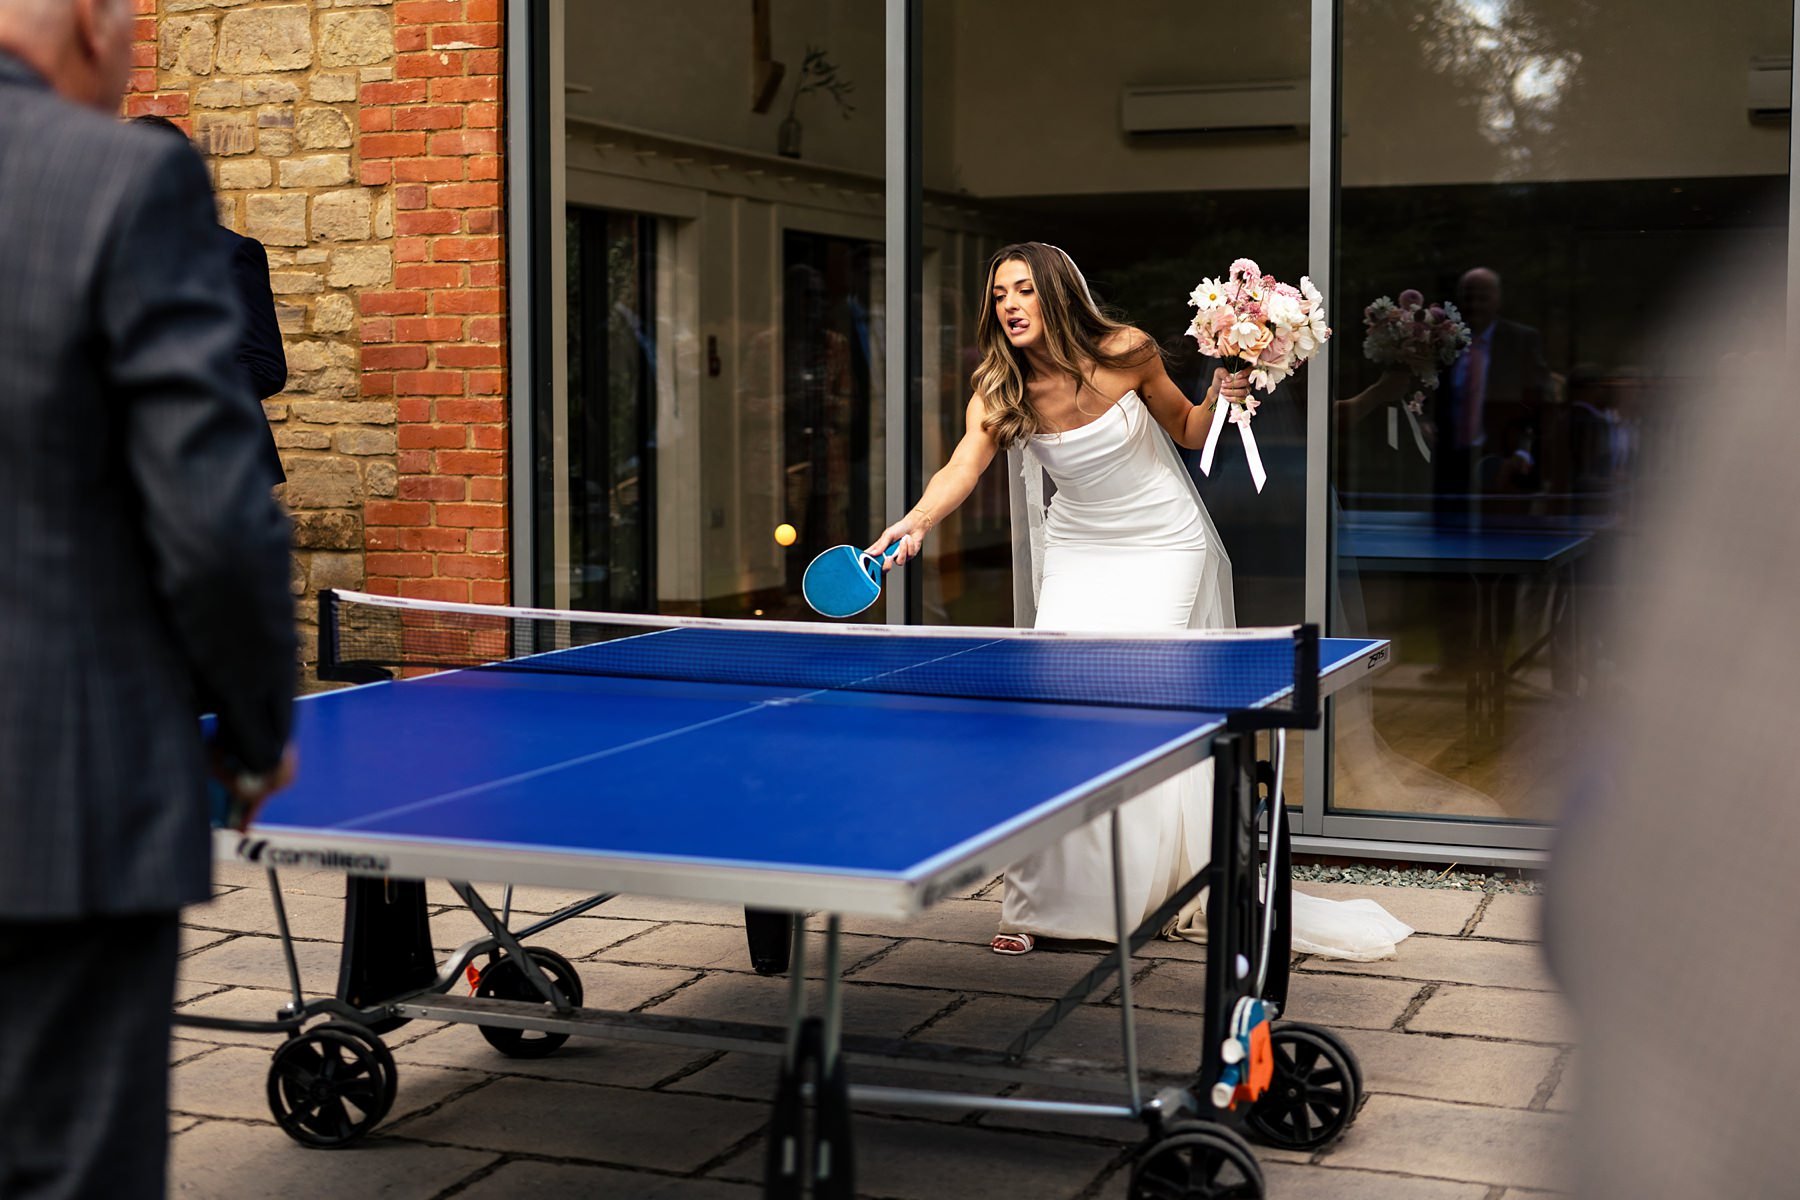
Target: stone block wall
x: 359, y: 141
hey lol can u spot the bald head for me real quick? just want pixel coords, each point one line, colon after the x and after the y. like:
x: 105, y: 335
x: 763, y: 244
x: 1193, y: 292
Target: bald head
x: 1478, y: 296
x: 83, y: 47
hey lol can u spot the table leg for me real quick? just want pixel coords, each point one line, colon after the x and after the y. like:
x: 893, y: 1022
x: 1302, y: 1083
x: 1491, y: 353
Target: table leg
x: 809, y: 1145
x: 1230, y: 904
x: 770, y: 936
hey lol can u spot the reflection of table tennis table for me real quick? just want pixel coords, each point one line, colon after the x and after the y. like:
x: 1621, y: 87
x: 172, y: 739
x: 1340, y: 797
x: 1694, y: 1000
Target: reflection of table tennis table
x: 1489, y: 552
x: 801, y: 769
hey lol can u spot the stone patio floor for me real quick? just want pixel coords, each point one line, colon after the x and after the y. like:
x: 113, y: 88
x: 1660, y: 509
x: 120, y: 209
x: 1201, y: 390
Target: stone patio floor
x: 1463, y: 1041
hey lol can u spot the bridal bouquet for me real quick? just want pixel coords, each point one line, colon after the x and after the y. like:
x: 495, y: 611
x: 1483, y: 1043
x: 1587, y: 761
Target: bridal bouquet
x: 1257, y: 324
x: 1416, y: 337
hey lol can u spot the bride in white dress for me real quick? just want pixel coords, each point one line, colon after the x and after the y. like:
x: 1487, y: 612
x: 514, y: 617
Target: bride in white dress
x: 1125, y: 544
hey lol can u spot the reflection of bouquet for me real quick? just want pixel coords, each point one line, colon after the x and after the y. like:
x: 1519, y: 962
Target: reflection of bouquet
x: 1413, y: 336
x: 1258, y: 325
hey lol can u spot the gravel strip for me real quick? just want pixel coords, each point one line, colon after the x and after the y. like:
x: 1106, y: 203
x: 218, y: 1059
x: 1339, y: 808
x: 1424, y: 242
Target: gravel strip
x: 1421, y: 877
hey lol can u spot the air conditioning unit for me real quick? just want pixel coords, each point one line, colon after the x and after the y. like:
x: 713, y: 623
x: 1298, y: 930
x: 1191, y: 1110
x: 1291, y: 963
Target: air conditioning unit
x: 1771, y: 89
x: 1274, y: 106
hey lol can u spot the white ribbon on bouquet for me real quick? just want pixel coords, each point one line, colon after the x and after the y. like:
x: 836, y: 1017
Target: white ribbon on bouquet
x: 1412, y: 419
x: 1238, y: 415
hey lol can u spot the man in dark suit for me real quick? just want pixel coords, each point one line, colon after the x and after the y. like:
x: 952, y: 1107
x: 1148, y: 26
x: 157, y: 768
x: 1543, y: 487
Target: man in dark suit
x: 143, y: 565
x: 260, y: 352
x: 1488, y: 411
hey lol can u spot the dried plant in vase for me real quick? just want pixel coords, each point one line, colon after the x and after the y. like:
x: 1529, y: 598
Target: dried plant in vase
x: 817, y: 74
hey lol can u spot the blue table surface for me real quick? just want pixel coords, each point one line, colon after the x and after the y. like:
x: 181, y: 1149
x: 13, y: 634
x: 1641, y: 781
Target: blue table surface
x: 1358, y: 538
x: 837, y: 780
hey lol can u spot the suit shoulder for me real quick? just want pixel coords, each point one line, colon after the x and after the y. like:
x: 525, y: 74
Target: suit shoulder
x: 246, y: 250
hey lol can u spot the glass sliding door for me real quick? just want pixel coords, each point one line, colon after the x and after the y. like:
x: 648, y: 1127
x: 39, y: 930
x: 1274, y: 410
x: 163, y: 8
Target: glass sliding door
x: 832, y: 479
x: 611, y: 409
x: 1548, y: 190
x: 725, y: 366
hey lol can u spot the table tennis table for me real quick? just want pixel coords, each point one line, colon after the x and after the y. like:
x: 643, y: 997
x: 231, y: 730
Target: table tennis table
x: 802, y: 769
x: 1488, y: 550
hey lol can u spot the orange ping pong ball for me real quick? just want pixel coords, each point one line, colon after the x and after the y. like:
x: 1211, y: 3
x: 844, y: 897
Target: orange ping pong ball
x: 784, y: 534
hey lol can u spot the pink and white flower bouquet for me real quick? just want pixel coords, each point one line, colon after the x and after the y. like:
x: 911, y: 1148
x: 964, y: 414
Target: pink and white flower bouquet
x: 1418, y: 338
x: 1258, y: 324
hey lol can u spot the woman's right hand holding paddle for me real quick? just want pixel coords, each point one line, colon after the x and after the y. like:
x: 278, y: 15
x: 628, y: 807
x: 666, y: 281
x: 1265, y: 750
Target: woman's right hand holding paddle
x: 910, y: 530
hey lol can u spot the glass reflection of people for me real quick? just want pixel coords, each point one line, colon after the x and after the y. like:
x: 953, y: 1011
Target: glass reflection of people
x: 1485, y: 444
x: 824, y: 383
x: 1486, y: 414
x: 1126, y: 545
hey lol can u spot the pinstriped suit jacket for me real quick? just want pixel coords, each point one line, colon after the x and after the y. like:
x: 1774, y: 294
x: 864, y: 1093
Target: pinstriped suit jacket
x: 143, y: 563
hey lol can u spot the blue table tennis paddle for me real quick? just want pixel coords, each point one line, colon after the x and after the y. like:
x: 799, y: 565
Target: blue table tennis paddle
x: 843, y: 580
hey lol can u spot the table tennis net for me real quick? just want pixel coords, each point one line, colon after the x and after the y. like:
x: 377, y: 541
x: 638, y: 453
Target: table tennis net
x: 1272, y: 673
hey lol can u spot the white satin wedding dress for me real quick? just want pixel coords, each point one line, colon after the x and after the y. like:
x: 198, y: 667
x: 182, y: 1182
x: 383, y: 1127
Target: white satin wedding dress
x: 1126, y: 544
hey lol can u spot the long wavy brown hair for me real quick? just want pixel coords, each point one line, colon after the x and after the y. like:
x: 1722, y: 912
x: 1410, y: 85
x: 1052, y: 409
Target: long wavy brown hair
x: 1074, y: 332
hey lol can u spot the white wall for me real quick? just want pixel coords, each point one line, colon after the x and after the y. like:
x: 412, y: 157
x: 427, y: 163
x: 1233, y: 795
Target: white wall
x: 683, y: 68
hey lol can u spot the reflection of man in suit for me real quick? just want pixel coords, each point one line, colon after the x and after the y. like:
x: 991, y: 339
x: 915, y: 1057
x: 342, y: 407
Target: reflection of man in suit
x: 260, y: 352
x: 143, y: 564
x: 1486, y: 415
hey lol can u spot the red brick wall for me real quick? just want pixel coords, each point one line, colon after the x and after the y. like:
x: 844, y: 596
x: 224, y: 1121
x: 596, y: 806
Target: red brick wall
x: 436, y: 340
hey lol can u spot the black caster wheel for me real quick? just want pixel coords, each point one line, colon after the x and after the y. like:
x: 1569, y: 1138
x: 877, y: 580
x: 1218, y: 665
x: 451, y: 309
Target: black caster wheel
x: 331, y: 1084
x: 1196, y: 1160
x: 1343, y: 1048
x: 503, y: 980
x: 1314, y: 1093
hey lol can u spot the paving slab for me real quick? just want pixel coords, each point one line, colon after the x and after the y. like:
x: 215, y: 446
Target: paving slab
x: 722, y: 947
x: 1519, y: 918
x: 969, y: 968
x: 194, y: 940
x: 576, y: 938
x: 1167, y: 1042
x: 661, y: 908
x: 579, y: 1060
x: 567, y: 1181
x: 231, y: 1082
x: 618, y: 1126
x: 1179, y: 948
x: 252, y: 910
x: 923, y: 1160
x: 230, y: 1160
x: 1441, y: 911
x: 182, y: 1049
x: 1410, y: 1136
x: 526, y: 898
x: 252, y: 960
x: 1453, y: 960
x: 871, y: 1008
x: 970, y: 921
x: 309, y: 883
x: 238, y: 1004
x: 1290, y: 1181
x: 1496, y: 1012
x: 1562, y: 1100
x: 747, y: 1076
x: 1505, y: 1074
x: 192, y: 989
x: 238, y: 874
x: 1333, y: 1000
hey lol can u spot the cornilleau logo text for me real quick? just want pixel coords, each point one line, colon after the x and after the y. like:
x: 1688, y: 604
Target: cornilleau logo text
x: 258, y: 850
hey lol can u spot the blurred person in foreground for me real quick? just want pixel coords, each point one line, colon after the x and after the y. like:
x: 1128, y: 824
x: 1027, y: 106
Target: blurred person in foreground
x: 143, y: 567
x: 1673, y: 889
x: 259, y: 352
